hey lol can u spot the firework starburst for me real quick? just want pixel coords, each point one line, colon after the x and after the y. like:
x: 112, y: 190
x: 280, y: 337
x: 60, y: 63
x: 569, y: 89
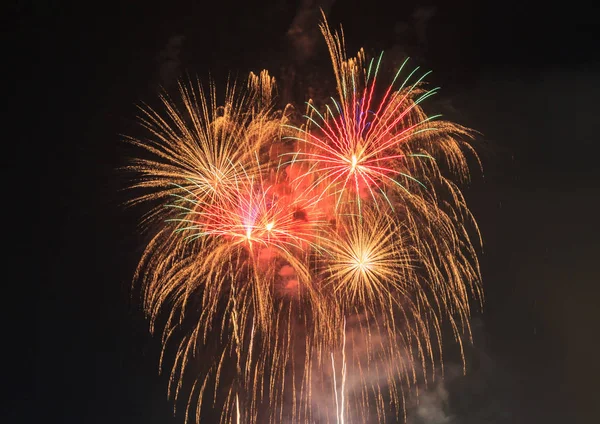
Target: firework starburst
x: 280, y: 243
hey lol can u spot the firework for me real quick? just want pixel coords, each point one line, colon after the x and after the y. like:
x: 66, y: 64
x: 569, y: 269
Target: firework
x: 280, y: 244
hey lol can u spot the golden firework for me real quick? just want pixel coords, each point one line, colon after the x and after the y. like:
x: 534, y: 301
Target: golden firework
x: 283, y: 248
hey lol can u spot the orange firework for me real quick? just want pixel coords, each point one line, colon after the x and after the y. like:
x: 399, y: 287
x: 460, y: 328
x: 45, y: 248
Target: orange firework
x: 284, y: 248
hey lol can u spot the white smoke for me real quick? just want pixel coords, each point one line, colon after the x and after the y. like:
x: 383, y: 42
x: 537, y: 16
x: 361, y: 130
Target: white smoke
x: 169, y: 60
x: 432, y: 405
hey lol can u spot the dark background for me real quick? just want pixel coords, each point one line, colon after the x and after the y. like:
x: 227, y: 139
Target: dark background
x: 525, y: 76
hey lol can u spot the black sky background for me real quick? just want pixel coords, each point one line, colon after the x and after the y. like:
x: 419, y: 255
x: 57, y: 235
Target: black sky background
x: 526, y: 76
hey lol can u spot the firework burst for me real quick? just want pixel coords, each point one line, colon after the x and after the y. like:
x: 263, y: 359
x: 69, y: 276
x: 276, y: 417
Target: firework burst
x: 282, y: 245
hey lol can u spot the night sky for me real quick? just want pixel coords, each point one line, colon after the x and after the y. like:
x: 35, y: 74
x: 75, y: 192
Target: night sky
x: 527, y: 78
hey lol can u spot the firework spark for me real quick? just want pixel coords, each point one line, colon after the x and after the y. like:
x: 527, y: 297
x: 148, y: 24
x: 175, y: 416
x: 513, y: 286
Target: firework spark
x: 273, y: 234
